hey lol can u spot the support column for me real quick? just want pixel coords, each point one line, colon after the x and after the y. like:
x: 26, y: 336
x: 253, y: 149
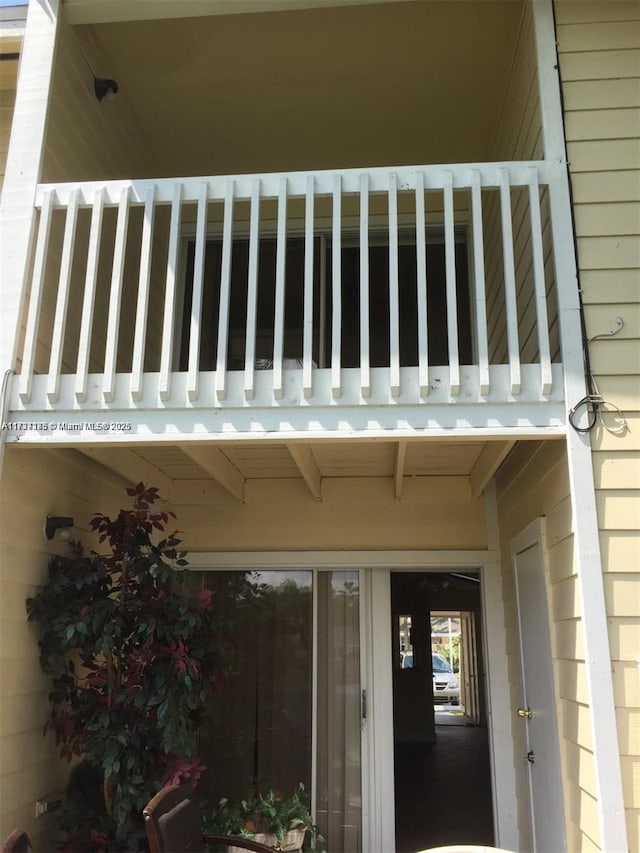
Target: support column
x: 613, y: 833
x: 24, y: 163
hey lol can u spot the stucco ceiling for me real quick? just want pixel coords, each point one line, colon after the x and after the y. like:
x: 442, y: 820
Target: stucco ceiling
x: 387, y: 84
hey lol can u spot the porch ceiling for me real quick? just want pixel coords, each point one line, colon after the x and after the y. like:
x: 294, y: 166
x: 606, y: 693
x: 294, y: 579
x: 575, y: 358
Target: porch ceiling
x: 383, y: 84
x: 231, y: 464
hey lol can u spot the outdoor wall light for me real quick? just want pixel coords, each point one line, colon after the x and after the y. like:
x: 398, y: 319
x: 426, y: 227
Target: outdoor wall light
x: 104, y: 87
x: 55, y: 523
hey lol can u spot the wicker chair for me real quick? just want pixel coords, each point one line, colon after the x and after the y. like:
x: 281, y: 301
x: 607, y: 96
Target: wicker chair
x: 465, y: 848
x: 17, y: 842
x: 172, y: 820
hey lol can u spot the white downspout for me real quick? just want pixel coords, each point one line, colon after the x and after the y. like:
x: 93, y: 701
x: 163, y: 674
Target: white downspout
x: 590, y: 585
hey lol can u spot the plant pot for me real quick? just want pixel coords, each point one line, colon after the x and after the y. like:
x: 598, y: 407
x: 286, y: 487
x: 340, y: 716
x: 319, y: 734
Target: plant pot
x: 292, y: 842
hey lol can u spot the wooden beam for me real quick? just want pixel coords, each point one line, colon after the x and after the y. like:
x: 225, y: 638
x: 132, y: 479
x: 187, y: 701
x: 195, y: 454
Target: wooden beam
x: 398, y: 471
x: 303, y: 456
x: 131, y: 467
x: 491, y: 457
x: 216, y: 464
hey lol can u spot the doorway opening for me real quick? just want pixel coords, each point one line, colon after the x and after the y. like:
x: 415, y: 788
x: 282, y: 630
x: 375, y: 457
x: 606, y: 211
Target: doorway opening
x: 441, y: 750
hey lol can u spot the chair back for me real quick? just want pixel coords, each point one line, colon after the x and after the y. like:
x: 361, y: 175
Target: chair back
x: 17, y: 842
x: 464, y: 848
x: 172, y: 820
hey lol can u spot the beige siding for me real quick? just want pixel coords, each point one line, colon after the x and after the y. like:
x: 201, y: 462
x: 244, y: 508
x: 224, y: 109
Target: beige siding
x: 355, y: 514
x: 533, y: 483
x: 599, y: 46
x: 89, y: 139
x: 34, y: 484
x: 518, y: 136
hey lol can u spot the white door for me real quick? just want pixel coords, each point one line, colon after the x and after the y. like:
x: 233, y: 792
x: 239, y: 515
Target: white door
x: 537, y: 712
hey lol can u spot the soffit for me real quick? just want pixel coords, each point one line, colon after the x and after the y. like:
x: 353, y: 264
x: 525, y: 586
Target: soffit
x: 388, y: 84
x: 192, y: 468
x: 93, y: 11
x: 273, y: 460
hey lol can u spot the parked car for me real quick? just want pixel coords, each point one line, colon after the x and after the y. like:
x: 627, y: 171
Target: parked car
x: 445, y: 683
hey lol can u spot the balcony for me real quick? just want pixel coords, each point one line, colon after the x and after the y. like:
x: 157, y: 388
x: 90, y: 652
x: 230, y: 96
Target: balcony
x: 376, y: 300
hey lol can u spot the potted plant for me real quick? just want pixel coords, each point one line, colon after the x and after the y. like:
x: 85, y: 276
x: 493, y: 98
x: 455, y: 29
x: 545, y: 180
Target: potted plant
x: 280, y: 822
x: 131, y: 662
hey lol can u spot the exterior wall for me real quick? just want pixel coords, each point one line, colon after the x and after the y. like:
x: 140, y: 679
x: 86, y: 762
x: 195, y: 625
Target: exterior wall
x: 355, y: 514
x: 534, y: 482
x: 89, y: 139
x: 599, y: 48
x: 35, y: 484
x: 518, y: 136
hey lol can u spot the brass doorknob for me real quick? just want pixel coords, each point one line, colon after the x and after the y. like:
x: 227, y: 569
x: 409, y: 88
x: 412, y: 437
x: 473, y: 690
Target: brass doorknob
x: 524, y: 712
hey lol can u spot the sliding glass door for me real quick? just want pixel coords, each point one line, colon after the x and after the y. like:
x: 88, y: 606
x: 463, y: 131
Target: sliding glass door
x: 339, y: 766
x: 289, y: 707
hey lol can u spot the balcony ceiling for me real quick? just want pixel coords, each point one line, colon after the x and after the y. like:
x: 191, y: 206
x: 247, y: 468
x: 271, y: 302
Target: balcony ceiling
x: 394, y: 83
x: 229, y: 465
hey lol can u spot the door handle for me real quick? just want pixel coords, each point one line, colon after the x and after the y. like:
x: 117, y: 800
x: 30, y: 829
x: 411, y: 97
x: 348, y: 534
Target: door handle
x: 525, y: 713
x: 531, y: 757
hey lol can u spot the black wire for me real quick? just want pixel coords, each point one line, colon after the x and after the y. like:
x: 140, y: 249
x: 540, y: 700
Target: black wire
x: 592, y: 400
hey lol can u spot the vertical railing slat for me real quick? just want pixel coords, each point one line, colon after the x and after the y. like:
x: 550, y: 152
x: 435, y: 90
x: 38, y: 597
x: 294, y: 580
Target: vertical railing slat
x: 168, y: 333
x: 225, y: 292
x: 89, y: 298
x: 307, y: 325
x: 62, y: 300
x: 421, y: 284
x: 450, y: 286
x: 336, y: 287
x: 35, y: 301
x: 195, y: 332
x: 281, y: 261
x: 539, y: 283
x: 479, y: 281
x: 252, y: 291
x: 511, y: 304
x: 365, y: 379
x: 394, y: 297
x: 115, y: 297
x: 142, y: 307
x: 322, y: 309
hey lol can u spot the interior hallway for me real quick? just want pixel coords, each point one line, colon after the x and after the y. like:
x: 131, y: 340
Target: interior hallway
x: 443, y: 789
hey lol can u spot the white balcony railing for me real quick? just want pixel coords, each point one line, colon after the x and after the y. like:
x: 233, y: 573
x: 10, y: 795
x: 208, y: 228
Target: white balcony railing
x: 408, y: 285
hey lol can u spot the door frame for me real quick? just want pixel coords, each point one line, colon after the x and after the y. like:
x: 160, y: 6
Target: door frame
x: 375, y: 567
x: 534, y: 536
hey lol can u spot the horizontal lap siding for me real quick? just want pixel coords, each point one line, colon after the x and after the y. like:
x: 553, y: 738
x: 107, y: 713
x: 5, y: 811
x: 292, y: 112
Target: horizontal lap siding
x: 599, y: 47
x: 355, y: 514
x: 34, y: 485
x: 518, y: 137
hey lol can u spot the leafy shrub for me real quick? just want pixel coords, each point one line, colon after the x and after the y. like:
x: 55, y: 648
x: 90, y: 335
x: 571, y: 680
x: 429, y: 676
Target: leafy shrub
x: 132, y: 663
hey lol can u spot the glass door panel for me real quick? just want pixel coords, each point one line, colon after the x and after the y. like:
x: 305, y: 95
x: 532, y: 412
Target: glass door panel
x: 339, y: 791
x: 260, y: 724
x: 258, y: 727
